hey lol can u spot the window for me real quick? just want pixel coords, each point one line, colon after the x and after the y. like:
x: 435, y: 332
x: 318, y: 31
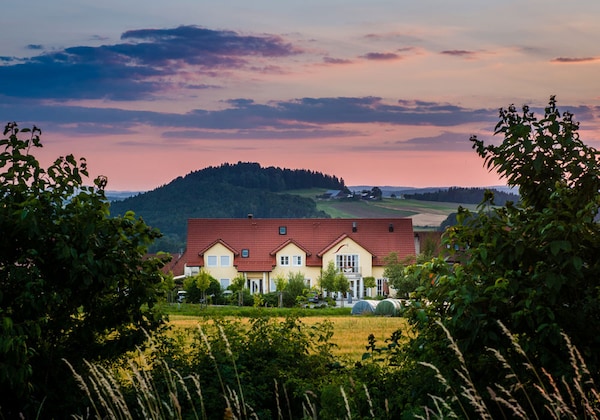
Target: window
x: 224, y: 260
x: 211, y: 261
x: 380, y: 283
x: 284, y: 260
x: 297, y: 260
x: 283, y: 230
x: 245, y: 253
x: 224, y: 283
x: 348, y: 263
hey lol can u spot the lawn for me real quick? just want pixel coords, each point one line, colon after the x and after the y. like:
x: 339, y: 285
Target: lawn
x: 351, y: 332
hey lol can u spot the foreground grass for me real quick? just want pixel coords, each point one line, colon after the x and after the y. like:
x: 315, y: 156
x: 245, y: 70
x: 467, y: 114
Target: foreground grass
x: 164, y: 392
x: 351, y: 332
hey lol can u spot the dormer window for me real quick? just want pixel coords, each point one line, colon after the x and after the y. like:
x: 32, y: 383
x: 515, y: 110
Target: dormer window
x: 245, y: 253
x: 283, y: 230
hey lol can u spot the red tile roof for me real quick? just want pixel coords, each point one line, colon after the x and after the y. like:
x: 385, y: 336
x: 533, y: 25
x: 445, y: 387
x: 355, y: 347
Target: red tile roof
x: 262, y: 239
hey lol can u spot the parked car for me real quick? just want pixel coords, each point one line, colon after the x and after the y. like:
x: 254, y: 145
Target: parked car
x: 313, y: 297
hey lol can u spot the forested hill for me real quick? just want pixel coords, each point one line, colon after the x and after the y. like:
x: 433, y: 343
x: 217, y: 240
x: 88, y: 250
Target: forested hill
x: 463, y: 195
x: 252, y: 175
x: 229, y: 190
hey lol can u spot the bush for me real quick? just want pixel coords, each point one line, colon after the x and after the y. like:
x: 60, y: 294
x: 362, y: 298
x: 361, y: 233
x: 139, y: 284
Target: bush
x: 75, y: 283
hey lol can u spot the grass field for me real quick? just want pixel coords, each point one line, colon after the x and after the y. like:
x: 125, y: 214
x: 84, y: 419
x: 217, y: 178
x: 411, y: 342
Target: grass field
x: 425, y: 214
x: 351, y: 332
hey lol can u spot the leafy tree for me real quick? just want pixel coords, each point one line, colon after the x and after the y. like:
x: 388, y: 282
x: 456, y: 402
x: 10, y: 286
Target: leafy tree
x: 369, y: 282
x: 296, y: 284
x: 533, y: 266
x: 394, y: 272
x: 237, y: 285
x: 74, y: 283
x: 280, y: 284
x: 341, y: 284
x: 196, y: 287
x: 214, y: 291
x: 327, y: 278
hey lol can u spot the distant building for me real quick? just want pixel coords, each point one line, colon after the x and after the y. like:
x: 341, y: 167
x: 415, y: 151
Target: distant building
x: 262, y: 249
x: 333, y: 195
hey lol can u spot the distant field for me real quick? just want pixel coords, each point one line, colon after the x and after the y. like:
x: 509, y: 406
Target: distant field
x: 350, y: 332
x: 425, y: 214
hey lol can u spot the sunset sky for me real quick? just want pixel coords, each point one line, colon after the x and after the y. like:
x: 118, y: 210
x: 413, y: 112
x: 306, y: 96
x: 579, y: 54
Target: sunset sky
x: 376, y: 92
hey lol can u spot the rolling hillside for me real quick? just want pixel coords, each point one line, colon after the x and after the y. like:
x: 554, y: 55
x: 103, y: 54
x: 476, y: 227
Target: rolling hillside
x: 425, y: 214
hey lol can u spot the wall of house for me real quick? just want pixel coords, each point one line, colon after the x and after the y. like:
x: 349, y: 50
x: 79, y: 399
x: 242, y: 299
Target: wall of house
x: 348, y: 247
x: 364, y: 266
x: 223, y: 270
x: 311, y: 274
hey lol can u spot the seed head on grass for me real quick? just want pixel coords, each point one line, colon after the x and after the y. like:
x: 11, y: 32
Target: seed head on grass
x: 468, y: 387
x: 237, y: 375
x: 348, y: 413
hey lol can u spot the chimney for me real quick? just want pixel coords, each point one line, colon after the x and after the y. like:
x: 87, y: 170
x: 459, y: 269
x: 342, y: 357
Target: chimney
x: 354, y: 228
x: 250, y: 215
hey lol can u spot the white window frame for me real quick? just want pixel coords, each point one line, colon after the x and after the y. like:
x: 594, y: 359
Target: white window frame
x: 348, y: 263
x: 297, y: 260
x: 379, y: 286
x: 225, y: 261
x: 211, y: 261
x: 284, y: 260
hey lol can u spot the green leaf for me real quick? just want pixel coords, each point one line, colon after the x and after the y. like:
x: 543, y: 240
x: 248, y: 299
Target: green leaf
x: 557, y: 246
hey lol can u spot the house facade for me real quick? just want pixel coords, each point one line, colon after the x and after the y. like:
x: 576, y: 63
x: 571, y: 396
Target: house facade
x: 261, y: 250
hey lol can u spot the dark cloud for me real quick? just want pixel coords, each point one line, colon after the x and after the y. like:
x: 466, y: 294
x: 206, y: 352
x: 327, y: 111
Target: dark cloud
x: 282, y: 119
x: 243, y: 118
x: 137, y: 68
x: 381, y: 56
x: 330, y: 60
x: 35, y: 47
x: 308, y: 133
x: 574, y: 59
x: 459, y: 53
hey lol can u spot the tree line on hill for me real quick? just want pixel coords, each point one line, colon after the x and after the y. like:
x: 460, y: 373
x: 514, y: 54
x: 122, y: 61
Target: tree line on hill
x: 226, y: 191
x: 253, y: 175
x: 464, y: 196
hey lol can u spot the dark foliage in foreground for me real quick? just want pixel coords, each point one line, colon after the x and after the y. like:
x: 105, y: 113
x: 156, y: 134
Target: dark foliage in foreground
x: 74, y: 283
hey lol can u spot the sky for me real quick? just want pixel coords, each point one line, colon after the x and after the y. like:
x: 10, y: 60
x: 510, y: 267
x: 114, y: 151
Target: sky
x: 376, y: 92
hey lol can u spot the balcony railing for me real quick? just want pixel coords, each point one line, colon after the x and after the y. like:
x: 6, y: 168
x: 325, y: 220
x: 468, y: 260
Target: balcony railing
x: 351, y: 271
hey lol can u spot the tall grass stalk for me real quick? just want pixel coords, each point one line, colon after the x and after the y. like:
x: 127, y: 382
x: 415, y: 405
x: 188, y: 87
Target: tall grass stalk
x: 348, y: 412
x: 237, y: 375
x: 105, y: 395
x: 574, y: 399
x: 369, y: 400
x: 309, y: 410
